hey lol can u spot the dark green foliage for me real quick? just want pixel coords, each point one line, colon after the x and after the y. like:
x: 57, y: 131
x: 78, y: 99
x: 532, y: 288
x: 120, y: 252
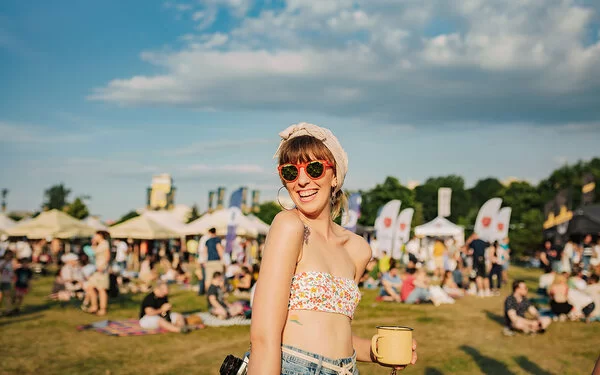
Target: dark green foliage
x: 267, y: 211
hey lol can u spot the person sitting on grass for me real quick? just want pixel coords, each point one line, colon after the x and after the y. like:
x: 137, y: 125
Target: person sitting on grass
x: 155, y: 311
x: 216, y: 299
x: 593, y: 290
x: 450, y: 287
x: 391, y: 283
x: 244, y: 283
x: 415, y: 288
x: 72, y: 275
x: 559, y: 291
x: 515, y: 308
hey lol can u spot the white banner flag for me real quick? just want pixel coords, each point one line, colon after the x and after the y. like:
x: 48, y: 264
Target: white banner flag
x: 444, y: 199
x: 486, y: 218
x: 385, y: 224
x: 402, y: 234
x: 502, y: 224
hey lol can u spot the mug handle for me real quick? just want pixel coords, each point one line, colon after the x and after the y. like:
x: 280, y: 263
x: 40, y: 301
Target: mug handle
x: 374, y: 345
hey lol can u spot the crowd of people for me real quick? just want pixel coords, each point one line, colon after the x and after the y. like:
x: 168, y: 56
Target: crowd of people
x: 436, y: 271
x: 95, y: 271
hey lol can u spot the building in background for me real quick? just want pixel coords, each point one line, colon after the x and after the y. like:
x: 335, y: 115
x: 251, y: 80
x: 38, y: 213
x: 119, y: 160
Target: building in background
x: 161, y: 195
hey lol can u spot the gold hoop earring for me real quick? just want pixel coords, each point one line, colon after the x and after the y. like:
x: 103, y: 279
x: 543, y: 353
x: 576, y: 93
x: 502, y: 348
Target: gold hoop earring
x: 279, y: 200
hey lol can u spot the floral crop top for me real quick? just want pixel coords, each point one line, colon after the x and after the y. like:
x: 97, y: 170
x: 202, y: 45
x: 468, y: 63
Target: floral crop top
x: 320, y: 291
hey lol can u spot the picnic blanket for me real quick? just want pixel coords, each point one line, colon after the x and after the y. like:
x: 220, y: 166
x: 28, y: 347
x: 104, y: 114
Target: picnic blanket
x: 212, y: 321
x: 127, y: 327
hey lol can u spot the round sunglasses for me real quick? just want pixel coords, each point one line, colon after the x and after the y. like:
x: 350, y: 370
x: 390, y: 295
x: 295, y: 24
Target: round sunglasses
x: 314, y: 169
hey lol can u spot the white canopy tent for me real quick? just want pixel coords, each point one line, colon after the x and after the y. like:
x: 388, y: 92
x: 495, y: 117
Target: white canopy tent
x: 142, y: 228
x: 95, y: 223
x: 6, y: 223
x: 220, y: 220
x: 441, y: 227
x: 261, y: 226
x: 53, y: 223
x: 168, y: 219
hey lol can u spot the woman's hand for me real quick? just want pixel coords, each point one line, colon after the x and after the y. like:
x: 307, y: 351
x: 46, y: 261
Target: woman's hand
x: 414, y: 357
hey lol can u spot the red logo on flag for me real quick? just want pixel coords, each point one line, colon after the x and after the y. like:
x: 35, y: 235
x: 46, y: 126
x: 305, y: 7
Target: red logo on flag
x: 500, y: 226
x: 387, y: 222
x: 486, y: 221
x: 402, y: 226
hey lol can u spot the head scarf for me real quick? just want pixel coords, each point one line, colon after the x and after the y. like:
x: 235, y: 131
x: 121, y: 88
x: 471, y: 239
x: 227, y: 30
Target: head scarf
x: 328, y: 139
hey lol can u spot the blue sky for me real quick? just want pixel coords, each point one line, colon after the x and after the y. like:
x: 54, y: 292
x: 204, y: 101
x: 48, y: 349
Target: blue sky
x: 102, y: 95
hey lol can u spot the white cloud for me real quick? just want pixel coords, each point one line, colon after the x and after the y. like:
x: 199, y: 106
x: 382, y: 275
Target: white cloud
x: 238, y: 168
x: 496, y: 60
x: 213, y: 146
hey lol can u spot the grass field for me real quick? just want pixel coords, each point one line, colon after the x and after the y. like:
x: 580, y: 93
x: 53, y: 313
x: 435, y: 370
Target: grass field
x: 464, y: 338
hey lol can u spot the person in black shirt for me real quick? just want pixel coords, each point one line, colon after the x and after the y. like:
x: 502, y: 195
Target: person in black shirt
x: 216, y: 299
x: 550, y: 258
x: 155, y: 311
x: 23, y: 275
x: 477, y: 249
x: 516, y: 306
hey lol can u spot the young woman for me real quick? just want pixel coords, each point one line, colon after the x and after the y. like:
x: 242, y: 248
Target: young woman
x: 307, y: 290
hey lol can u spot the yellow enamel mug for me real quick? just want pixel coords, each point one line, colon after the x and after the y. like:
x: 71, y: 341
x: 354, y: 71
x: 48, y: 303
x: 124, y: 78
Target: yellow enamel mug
x: 392, y: 345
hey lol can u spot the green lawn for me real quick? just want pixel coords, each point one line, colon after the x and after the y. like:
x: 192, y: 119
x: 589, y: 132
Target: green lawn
x: 464, y: 338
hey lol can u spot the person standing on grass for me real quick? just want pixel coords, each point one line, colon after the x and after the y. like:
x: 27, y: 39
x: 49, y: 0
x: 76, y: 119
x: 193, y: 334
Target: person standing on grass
x: 307, y: 290
x: 478, y: 248
x: 7, y: 275
x: 588, y: 253
x: 156, y: 313
x: 516, y: 306
x: 23, y: 276
x: 214, y: 256
x: 497, y: 259
x: 97, y: 285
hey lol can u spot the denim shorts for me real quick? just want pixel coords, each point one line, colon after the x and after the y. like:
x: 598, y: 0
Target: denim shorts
x: 292, y: 363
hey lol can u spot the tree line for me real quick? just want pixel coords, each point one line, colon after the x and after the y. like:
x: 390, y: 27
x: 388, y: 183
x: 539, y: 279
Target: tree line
x: 526, y: 200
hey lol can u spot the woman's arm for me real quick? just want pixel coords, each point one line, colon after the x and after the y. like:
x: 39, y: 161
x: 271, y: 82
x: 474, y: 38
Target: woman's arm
x: 282, y: 249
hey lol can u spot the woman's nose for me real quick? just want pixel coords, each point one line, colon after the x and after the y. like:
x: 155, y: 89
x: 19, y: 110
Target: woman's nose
x: 303, y: 178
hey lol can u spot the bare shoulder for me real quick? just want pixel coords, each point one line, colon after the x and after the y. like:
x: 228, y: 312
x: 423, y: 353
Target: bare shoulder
x: 287, y: 222
x: 357, y: 246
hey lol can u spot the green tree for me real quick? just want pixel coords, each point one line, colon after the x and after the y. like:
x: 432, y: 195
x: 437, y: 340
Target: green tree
x: 526, y: 238
x: 375, y: 198
x: 267, y: 211
x: 77, y: 209
x: 127, y: 216
x: 485, y: 189
x: 193, y: 215
x: 56, y: 197
x: 427, y: 194
x: 521, y: 197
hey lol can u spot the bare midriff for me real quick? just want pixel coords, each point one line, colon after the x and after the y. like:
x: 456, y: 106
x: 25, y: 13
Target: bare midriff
x: 324, y: 333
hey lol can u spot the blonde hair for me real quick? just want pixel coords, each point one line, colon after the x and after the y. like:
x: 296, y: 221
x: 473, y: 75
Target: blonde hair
x: 305, y: 148
x: 559, y: 279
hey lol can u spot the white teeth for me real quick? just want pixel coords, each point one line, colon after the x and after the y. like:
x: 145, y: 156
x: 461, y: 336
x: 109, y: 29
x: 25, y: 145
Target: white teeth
x: 305, y: 194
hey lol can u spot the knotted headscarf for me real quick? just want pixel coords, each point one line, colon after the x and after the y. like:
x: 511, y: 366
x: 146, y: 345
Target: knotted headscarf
x: 328, y: 139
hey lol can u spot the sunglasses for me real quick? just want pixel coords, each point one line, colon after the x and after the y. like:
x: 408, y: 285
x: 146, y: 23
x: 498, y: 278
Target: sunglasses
x: 314, y: 169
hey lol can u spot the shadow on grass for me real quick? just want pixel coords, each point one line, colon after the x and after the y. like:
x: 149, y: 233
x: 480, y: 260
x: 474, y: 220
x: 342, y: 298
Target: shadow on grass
x: 487, y: 365
x: 530, y: 367
x: 432, y: 371
x: 495, y: 317
x: 17, y: 319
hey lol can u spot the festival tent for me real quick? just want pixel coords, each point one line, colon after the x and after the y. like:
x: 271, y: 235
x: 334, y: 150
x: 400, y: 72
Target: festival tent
x: 220, y: 220
x: 261, y: 226
x: 168, y: 219
x: 53, y: 223
x: 95, y: 223
x: 441, y: 227
x: 586, y: 220
x: 6, y: 222
x: 142, y: 228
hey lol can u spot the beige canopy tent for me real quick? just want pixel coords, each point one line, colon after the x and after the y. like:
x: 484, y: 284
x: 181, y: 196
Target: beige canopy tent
x: 53, y: 223
x: 142, y: 228
x: 95, y: 223
x: 220, y: 220
x: 261, y: 226
x: 6, y: 223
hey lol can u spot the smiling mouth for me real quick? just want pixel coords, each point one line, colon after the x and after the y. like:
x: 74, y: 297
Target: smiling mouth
x: 307, y: 195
